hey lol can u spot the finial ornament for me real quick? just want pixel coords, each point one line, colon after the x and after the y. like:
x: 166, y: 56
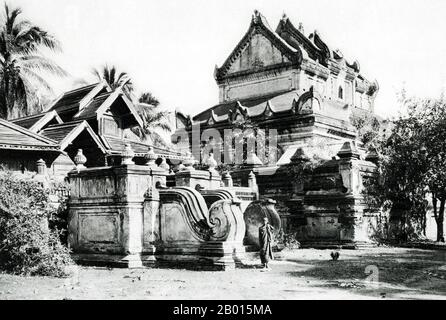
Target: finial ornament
x: 150, y: 158
x: 301, y: 28
x: 80, y: 159
x: 163, y: 165
x: 227, y: 179
x: 127, y: 154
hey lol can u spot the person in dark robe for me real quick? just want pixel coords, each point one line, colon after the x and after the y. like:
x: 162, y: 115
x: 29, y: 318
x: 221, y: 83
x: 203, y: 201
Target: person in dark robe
x: 265, y: 241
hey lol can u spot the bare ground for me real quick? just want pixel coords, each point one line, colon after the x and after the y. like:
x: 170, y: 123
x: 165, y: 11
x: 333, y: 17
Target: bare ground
x: 378, y: 273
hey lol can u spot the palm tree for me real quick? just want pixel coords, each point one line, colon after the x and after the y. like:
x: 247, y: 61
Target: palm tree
x: 153, y: 119
x: 147, y: 105
x: 21, y: 63
x: 114, y: 78
x: 149, y: 98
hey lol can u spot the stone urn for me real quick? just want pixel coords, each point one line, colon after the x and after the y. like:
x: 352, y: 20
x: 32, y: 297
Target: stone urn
x: 80, y: 159
x: 150, y: 158
x: 127, y: 155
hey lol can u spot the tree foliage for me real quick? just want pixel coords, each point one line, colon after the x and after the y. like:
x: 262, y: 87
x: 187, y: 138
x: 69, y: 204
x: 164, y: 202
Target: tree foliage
x: 367, y: 126
x: 22, y: 65
x: 411, y: 166
x: 153, y: 119
x: 114, y: 78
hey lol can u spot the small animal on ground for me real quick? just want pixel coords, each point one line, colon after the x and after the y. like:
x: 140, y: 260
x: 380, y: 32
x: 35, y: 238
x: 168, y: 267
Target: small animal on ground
x: 334, y: 255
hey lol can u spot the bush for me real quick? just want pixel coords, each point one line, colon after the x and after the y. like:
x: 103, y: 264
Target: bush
x: 27, y: 243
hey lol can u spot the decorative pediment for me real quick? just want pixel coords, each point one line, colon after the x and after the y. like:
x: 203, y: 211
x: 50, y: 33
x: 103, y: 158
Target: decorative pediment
x: 260, y: 48
x: 315, y: 48
x: 212, y: 119
x: 182, y: 121
x: 268, y: 112
x: 324, y: 49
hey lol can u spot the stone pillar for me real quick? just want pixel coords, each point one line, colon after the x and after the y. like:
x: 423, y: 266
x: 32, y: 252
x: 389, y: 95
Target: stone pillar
x: 151, y: 223
x: 349, y: 168
x: 41, y: 175
x: 352, y: 222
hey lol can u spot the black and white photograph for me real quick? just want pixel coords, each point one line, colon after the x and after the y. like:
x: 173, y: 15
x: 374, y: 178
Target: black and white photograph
x: 245, y: 151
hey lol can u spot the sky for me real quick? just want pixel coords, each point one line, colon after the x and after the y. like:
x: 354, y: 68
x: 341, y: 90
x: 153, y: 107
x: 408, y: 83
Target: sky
x: 171, y: 47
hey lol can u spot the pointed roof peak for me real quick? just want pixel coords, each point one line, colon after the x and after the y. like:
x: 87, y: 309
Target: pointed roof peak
x: 284, y: 16
x: 258, y: 18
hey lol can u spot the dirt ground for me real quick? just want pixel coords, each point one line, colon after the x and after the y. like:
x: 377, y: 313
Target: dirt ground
x: 378, y: 273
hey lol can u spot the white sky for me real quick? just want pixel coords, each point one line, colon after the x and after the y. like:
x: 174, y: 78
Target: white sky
x: 171, y: 47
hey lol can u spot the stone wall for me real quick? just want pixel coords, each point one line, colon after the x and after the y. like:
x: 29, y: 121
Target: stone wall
x: 324, y: 207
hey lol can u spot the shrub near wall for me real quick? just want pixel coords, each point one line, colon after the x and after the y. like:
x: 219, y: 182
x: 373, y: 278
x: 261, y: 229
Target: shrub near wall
x: 27, y: 244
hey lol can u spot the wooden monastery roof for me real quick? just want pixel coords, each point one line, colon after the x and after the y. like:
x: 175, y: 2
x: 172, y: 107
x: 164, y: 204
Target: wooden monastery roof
x: 65, y: 133
x: 13, y: 136
x: 116, y: 146
x: 277, y: 102
x: 89, y: 111
x: 70, y: 99
x: 36, y: 122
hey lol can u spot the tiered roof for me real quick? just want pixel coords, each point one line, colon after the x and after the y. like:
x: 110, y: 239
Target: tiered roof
x: 79, y: 106
x: 15, y: 137
x: 309, y: 53
x: 36, y: 122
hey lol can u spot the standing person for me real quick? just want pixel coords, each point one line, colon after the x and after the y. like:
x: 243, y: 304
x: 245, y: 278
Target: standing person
x: 265, y: 240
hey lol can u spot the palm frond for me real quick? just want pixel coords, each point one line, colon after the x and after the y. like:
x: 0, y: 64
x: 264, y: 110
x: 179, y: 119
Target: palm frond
x: 21, y: 64
x: 35, y: 78
x: 10, y: 17
x: 29, y: 40
x: 43, y: 64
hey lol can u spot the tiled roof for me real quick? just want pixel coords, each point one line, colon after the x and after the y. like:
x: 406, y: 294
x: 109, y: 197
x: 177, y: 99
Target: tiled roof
x: 13, y: 136
x: 90, y: 110
x: 279, y: 102
x: 28, y: 122
x: 36, y: 122
x: 58, y: 132
x: 71, y: 99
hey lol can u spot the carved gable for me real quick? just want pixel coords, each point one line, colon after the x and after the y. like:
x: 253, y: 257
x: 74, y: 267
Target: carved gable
x: 260, y: 47
x: 258, y: 52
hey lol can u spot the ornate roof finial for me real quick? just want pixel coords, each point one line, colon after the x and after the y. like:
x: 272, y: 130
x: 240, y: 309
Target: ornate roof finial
x: 256, y: 16
x: 284, y: 16
x: 215, y: 72
x: 301, y: 28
